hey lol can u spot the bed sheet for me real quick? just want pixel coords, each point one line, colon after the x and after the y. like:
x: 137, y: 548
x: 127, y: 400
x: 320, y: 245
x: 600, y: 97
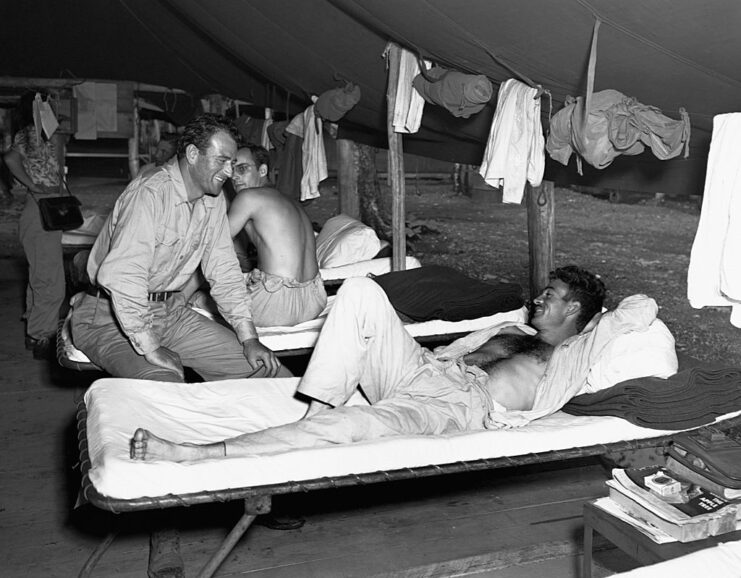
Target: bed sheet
x: 212, y: 411
x: 304, y: 335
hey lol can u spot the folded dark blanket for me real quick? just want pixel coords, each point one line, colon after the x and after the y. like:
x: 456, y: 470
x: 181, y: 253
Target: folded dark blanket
x: 690, y: 398
x: 439, y: 292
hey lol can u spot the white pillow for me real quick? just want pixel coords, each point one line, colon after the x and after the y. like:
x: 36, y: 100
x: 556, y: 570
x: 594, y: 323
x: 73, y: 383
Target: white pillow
x: 344, y: 240
x: 648, y: 353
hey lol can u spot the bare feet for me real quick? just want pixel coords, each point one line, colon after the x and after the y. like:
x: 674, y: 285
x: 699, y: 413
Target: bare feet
x: 146, y: 446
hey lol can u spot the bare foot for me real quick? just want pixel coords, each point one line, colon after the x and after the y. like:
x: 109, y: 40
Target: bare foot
x: 146, y: 446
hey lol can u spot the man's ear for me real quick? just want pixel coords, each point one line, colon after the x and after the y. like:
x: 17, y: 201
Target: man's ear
x: 263, y: 170
x: 191, y: 153
x: 573, y: 308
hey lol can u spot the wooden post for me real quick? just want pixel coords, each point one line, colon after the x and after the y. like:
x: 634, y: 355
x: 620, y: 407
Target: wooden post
x: 395, y: 165
x: 540, y: 228
x: 134, y: 145
x: 347, y: 178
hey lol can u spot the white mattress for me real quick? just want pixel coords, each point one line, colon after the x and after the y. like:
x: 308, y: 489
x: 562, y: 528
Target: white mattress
x: 208, y: 412
x: 304, y: 335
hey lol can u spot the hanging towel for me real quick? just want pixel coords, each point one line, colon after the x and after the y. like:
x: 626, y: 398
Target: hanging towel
x: 514, y: 152
x: 409, y: 104
x: 313, y: 157
x: 714, y: 275
x: 462, y: 94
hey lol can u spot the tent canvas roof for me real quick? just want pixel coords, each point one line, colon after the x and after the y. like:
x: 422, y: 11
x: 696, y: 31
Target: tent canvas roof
x: 665, y: 53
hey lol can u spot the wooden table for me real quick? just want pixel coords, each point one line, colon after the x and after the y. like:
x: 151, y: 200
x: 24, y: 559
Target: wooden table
x: 634, y: 543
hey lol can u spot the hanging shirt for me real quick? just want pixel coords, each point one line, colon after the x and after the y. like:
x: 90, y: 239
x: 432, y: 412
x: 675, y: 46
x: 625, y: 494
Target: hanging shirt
x: 714, y: 275
x: 615, y: 125
x: 313, y: 157
x: 515, y: 150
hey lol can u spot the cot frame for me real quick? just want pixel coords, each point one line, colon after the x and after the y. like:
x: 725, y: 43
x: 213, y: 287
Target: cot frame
x: 258, y: 499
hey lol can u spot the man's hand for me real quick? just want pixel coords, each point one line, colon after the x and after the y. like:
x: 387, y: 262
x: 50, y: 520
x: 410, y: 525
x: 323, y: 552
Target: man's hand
x: 257, y: 354
x: 167, y: 359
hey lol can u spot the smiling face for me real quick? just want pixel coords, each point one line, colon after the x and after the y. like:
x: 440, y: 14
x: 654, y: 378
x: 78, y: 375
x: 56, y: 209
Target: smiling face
x: 209, y: 169
x: 551, y: 307
x: 247, y: 174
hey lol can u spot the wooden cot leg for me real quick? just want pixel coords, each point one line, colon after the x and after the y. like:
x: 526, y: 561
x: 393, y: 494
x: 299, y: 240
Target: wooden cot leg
x: 587, y: 555
x: 253, y: 507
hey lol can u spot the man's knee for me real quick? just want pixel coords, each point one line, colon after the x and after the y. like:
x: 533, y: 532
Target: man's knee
x: 363, y: 292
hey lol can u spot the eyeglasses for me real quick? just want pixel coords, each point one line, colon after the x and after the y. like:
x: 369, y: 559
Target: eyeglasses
x: 243, y: 168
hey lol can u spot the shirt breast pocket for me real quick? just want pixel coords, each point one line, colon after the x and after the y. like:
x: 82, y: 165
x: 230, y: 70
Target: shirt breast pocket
x: 169, y: 237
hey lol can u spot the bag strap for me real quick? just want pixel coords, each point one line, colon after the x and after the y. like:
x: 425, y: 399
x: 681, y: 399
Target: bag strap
x: 64, y: 182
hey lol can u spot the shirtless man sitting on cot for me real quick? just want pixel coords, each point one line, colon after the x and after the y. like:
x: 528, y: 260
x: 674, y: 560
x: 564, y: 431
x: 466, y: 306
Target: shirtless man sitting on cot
x: 286, y: 287
x: 412, y: 390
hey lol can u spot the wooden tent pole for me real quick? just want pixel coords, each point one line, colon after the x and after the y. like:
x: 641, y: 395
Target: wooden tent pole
x: 347, y: 177
x: 395, y: 164
x: 134, y: 144
x: 540, y: 229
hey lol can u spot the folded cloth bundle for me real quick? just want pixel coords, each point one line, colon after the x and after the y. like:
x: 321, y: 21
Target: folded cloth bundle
x: 333, y: 104
x: 438, y: 292
x: 462, y: 94
x: 690, y: 398
x: 277, y: 134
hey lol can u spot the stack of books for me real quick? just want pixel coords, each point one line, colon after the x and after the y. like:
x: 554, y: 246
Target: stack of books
x: 657, y: 497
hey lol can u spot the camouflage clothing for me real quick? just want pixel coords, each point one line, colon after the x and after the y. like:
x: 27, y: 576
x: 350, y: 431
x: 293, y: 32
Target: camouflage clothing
x: 39, y: 157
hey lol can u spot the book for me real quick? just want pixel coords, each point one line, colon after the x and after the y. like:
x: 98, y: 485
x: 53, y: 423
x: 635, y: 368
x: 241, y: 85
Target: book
x: 686, y: 511
x: 609, y: 506
x: 691, y: 475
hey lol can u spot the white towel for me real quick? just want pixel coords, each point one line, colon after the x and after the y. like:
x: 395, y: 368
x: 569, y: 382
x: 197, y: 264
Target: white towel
x: 714, y: 276
x: 409, y: 103
x: 515, y: 151
x: 314, y: 159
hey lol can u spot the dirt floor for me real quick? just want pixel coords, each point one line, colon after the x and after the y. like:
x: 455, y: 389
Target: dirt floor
x: 636, y: 248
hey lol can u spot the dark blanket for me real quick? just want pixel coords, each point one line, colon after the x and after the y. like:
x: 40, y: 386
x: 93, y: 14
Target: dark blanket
x: 690, y: 398
x: 438, y: 292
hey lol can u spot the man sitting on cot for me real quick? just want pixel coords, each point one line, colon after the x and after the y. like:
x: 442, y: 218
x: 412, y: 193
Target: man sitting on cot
x: 286, y: 287
x: 522, y: 373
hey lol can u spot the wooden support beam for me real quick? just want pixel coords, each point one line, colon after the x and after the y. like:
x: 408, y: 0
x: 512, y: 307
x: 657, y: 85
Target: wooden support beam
x: 396, y: 165
x: 134, y: 147
x: 540, y: 229
x: 347, y: 178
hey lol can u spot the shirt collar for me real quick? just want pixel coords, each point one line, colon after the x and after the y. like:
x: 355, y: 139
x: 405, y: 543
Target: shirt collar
x: 173, y: 168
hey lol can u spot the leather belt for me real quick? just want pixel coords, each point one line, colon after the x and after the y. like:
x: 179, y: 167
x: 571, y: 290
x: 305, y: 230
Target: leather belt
x: 155, y: 297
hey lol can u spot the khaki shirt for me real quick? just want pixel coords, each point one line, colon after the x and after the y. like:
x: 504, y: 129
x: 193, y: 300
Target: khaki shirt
x: 153, y: 241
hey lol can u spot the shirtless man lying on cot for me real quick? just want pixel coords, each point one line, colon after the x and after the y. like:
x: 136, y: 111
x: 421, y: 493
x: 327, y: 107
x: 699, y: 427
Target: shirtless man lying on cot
x: 523, y: 373
x: 286, y: 288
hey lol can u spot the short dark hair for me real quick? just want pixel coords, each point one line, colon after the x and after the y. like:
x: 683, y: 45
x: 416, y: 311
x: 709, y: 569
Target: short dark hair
x: 260, y: 154
x: 584, y: 287
x: 199, y: 131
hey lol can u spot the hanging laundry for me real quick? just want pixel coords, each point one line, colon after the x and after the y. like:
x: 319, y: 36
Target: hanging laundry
x: 615, y: 125
x: 714, y: 275
x: 515, y: 150
x: 313, y: 156
x: 462, y: 94
x: 250, y: 129
x: 333, y: 104
x: 409, y: 104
